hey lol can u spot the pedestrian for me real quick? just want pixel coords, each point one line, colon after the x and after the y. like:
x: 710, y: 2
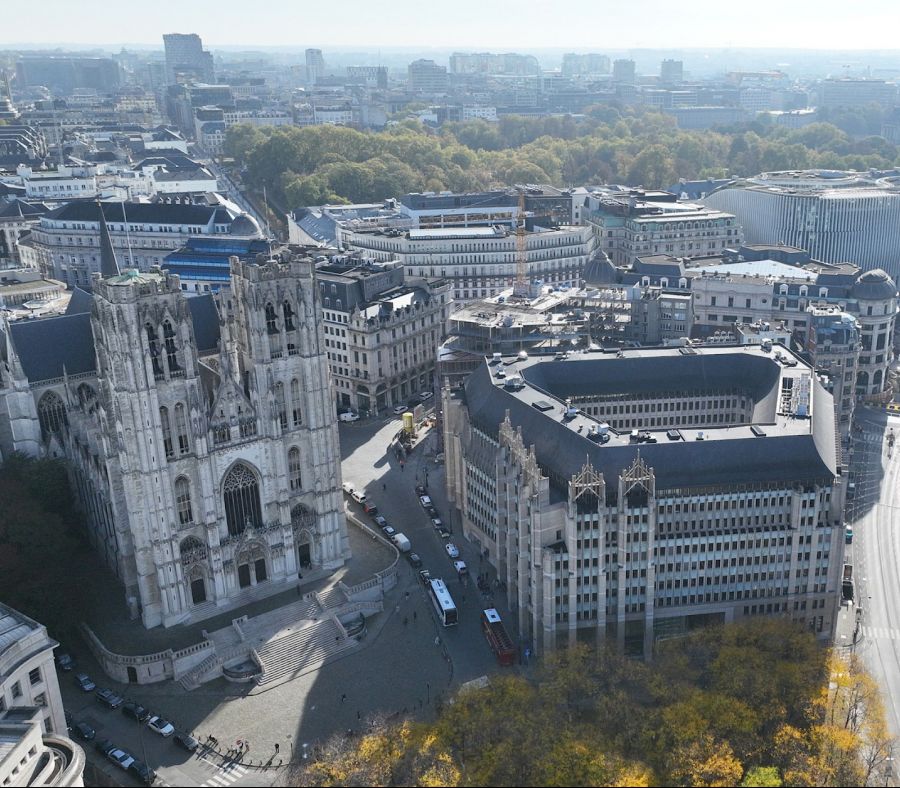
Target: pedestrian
x: 343, y: 697
x: 277, y: 747
x: 384, y: 487
x: 405, y: 620
x: 358, y: 714
x: 414, y: 615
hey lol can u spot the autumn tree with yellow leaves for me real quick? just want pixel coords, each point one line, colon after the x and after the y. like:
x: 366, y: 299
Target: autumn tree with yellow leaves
x: 753, y: 704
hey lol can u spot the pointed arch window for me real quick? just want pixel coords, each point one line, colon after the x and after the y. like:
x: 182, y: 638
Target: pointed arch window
x: 166, y: 432
x: 296, y: 412
x: 240, y: 491
x: 294, y: 472
x: 181, y: 430
x: 183, y: 501
x: 153, y: 347
x: 171, y: 347
x: 280, y: 406
x: 51, y: 413
x: 271, y: 319
x: 288, y: 316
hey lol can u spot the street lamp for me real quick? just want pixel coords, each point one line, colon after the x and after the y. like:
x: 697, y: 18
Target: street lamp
x: 305, y: 745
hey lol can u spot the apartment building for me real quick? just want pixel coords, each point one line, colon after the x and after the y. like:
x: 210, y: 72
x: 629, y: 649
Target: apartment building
x: 382, y: 331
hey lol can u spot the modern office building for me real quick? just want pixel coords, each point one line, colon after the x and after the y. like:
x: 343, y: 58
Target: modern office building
x: 199, y: 432
x: 370, y: 76
x: 203, y: 264
x: 848, y: 92
x: 671, y: 72
x: 186, y: 60
x: 426, y: 76
x: 836, y: 216
x: 382, y: 331
x: 315, y: 66
x: 631, y: 496
x: 65, y: 74
x: 623, y: 71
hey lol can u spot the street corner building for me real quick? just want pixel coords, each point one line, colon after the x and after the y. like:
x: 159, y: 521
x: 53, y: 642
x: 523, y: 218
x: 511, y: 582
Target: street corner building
x: 199, y: 431
x: 634, y: 495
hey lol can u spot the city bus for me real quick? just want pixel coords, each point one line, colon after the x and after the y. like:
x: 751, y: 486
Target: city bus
x: 443, y: 602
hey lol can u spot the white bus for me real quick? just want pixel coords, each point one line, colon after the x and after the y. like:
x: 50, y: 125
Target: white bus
x: 443, y: 602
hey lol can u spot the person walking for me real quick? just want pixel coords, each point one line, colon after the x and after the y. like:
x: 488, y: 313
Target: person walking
x: 343, y: 697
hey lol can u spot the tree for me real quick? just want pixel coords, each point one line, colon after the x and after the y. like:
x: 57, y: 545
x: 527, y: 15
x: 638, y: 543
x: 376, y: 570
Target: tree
x: 762, y: 777
x: 653, y: 168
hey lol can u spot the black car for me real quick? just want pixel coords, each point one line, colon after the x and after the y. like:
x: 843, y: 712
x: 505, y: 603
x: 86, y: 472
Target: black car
x: 185, y: 741
x: 109, y: 698
x: 103, y: 746
x: 414, y: 559
x: 143, y: 772
x: 83, y: 731
x: 424, y: 576
x: 136, y: 711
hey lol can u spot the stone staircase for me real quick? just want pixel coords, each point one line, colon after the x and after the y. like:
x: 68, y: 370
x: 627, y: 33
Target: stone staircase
x: 301, y: 648
x: 331, y: 598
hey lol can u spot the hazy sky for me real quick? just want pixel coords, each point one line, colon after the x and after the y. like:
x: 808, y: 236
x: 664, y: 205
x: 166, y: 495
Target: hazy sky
x: 489, y: 24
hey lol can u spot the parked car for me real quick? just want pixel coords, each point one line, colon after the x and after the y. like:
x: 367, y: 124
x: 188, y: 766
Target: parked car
x: 161, y: 726
x: 379, y: 521
x: 399, y: 410
x: 185, y: 741
x: 851, y: 491
x: 425, y: 501
x: 349, y: 416
x: 412, y: 402
x: 444, y: 533
x: 414, y: 559
x: 452, y: 550
x: 136, y: 711
x: 120, y: 758
x: 431, y: 511
x: 389, y: 532
x: 65, y: 661
x: 85, y: 682
x: 420, y: 490
x: 83, y: 731
x: 426, y: 395
x: 437, y: 523
x: 143, y: 772
x: 103, y: 746
x: 370, y: 508
x: 359, y: 497
x: 109, y: 698
x: 461, y: 569
x: 848, y: 535
x: 424, y: 577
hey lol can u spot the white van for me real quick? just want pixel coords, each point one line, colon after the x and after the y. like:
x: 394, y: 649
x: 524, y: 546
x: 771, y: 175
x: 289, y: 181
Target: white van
x: 402, y: 543
x: 348, y: 416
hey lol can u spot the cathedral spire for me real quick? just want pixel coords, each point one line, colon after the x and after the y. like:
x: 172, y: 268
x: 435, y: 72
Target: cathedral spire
x: 109, y: 265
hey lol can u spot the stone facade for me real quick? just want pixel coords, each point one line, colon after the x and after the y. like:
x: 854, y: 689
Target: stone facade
x: 203, y: 448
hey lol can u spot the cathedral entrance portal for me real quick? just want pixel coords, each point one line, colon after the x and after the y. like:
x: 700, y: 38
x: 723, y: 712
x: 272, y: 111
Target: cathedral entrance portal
x: 303, y: 521
x: 251, y: 564
x: 198, y: 591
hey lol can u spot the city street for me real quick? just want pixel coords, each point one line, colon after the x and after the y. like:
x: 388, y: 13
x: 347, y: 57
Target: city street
x: 401, y: 668
x: 875, y: 552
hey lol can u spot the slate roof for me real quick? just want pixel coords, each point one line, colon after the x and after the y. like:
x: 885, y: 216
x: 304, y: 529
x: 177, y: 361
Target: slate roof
x: 47, y: 345
x: 136, y: 212
x: 80, y: 302
x: 206, y: 322
x: 796, y: 449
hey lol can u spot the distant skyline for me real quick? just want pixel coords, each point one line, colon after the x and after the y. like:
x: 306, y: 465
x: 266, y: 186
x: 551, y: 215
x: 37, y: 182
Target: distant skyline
x: 582, y: 25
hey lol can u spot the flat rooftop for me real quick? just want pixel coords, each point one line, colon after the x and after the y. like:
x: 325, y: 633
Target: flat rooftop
x: 788, y: 436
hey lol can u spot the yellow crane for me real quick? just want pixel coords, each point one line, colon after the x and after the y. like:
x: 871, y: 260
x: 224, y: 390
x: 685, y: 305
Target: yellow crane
x: 522, y: 288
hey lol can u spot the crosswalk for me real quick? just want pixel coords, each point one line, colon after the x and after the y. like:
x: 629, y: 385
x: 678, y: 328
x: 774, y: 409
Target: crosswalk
x: 225, y: 775
x: 880, y: 633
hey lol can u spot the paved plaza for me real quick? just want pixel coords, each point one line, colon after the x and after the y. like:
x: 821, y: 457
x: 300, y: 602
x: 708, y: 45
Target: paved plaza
x: 397, y: 669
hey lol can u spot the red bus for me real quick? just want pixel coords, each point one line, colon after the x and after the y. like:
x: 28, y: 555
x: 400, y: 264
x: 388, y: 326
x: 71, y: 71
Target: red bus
x: 497, y: 636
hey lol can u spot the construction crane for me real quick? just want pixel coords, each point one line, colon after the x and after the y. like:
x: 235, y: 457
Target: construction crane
x: 522, y: 288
